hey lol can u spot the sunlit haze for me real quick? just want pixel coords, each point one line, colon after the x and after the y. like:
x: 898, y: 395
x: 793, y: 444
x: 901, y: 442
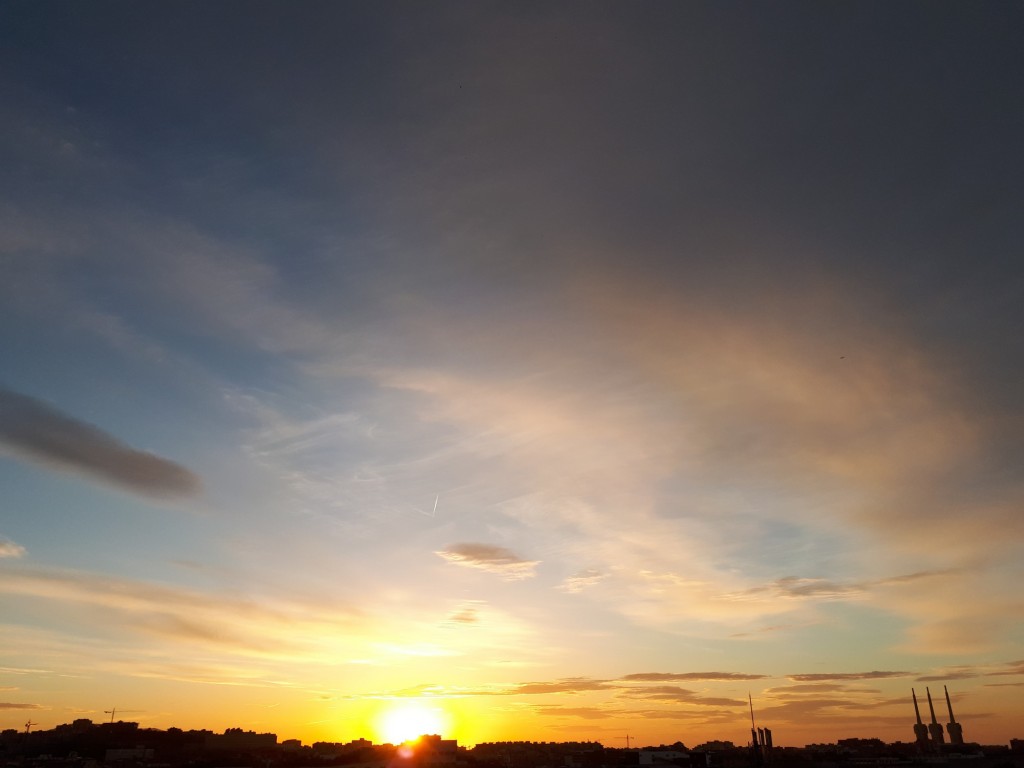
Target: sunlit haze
x: 555, y: 371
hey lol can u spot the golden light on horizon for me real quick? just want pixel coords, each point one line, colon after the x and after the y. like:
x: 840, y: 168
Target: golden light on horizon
x: 409, y: 720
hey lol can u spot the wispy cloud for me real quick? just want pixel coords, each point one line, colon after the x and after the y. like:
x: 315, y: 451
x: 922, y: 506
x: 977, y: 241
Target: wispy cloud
x: 567, y: 685
x: 10, y: 549
x: 826, y: 676
x: 970, y: 671
x: 691, y: 676
x: 811, y: 688
x: 488, y: 557
x: 586, y: 713
x: 229, y: 622
x: 38, y: 432
x: 10, y: 705
x: 582, y: 580
x: 678, y: 695
x: 803, y: 588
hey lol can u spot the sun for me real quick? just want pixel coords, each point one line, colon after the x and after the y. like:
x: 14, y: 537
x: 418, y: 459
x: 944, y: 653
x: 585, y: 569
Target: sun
x: 410, y: 720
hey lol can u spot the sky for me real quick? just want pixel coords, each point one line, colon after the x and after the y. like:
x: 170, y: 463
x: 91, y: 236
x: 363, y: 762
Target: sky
x: 548, y: 371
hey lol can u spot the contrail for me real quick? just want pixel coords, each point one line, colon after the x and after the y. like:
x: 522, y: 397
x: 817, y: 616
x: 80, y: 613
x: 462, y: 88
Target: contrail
x: 433, y: 512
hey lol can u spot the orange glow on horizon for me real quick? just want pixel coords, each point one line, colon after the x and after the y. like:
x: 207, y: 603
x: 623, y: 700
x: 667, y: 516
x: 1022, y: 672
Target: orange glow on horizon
x: 408, y: 720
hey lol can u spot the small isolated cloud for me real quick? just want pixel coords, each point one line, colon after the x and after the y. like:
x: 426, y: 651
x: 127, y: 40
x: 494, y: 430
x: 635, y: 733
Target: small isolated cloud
x: 38, y: 432
x: 662, y: 677
x: 10, y: 705
x: 826, y: 676
x: 466, y: 613
x: 9, y: 549
x: 488, y: 557
x: 582, y: 580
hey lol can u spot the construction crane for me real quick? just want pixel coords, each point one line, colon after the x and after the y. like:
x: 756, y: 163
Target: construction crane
x: 113, y: 711
x: 28, y: 726
x: 627, y: 737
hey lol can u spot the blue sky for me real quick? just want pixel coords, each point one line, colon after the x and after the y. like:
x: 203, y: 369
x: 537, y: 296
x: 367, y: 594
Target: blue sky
x: 483, y: 357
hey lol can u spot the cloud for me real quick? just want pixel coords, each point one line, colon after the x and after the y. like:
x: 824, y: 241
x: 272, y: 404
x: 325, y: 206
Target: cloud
x: 488, y: 557
x: 9, y: 705
x: 582, y: 580
x: 1011, y: 668
x: 38, y: 432
x: 691, y: 676
x: 826, y: 676
x: 679, y: 695
x: 9, y: 549
x: 971, y: 671
x: 797, y: 588
x: 467, y: 614
x: 586, y: 713
x: 226, y: 622
x: 567, y: 685
x: 814, y: 688
x: 570, y: 685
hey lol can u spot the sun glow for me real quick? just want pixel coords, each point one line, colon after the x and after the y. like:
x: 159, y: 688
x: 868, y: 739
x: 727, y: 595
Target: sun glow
x: 410, y: 720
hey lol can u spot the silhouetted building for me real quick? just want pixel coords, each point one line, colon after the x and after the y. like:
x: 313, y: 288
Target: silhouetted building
x: 236, y: 739
x: 136, y: 755
x: 934, y: 728
x: 663, y: 757
x: 953, y: 728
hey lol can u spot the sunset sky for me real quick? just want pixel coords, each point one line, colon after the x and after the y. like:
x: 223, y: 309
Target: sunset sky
x: 524, y: 370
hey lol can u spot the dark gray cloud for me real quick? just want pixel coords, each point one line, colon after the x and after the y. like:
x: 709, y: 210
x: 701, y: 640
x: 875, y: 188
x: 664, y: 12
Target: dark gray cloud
x: 36, y: 431
x: 657, y: 677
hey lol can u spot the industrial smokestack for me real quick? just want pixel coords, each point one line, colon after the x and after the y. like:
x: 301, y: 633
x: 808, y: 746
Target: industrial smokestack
x: 755, y: 747
x: 920, y: 729
x: 935, y: 729
x: 955, y: 730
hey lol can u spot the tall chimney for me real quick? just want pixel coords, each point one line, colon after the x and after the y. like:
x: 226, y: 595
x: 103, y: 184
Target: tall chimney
x: 756, y: 752
x: 920, y: 729
x: 934, y: 728
x: 955, y: 730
